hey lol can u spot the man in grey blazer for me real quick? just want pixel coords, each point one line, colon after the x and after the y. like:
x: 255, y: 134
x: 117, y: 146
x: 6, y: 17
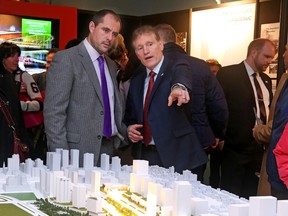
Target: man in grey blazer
x: 74, y: 108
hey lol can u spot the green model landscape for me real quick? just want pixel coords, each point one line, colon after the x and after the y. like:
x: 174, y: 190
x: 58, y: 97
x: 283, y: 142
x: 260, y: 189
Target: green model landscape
x: 11, y: 209
x: 21, y: 196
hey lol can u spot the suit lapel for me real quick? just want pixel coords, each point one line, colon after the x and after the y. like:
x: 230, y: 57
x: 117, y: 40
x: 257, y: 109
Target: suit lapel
x: 90, y: 70
x: 159, y: 78
x: 268, y: 85
x: 247, y: 83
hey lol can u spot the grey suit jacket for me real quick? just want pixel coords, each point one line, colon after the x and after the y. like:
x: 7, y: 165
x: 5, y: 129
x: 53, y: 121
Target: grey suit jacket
x: 73, y: 108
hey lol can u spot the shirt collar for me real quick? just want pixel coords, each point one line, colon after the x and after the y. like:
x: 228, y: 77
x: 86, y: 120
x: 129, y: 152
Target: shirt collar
x: 91, y: 51
x: 250, y: 71
x: 157, y: 68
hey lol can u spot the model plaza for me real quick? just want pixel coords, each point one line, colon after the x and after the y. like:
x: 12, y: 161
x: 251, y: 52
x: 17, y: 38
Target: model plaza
x: 128, y: 190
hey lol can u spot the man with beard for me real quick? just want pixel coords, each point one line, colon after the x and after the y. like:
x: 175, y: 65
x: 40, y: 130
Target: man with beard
x: 83, y: 108
x: 248, y: 93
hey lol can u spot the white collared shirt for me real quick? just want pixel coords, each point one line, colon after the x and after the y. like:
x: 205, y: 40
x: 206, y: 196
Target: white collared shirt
x: 155, y: 70
x: 265, y: 92
x: 94, y: 56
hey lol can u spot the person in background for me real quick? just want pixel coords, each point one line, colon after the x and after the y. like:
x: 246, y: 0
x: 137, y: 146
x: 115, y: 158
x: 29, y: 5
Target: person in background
x: 10, y: 86
x: 83, y: 107
x: 72, y: 43
x: 214, y: 65
x: 118, y: 53
x: 161, y: 133
x: 262, y: 134
x: 40, y: 140
x: 209, y: 107
x: 277, y: 151
x: 216, y: 153
x: 242, y: 155
x: 40, y: 78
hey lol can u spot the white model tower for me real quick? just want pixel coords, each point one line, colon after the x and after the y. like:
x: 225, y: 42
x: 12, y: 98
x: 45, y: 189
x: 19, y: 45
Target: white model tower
x: 63, y: 193
x: 262, y: 205
x: 105, y: 162
x: 65, y: 158
x: 182, y: 198
x: 74, y: 153
x: 95, y: 182
x: 79, y: 196
x: 116, y: 164
x: 88, y: 161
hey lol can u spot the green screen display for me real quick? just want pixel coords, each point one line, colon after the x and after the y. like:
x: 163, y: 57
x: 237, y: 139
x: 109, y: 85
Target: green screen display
x: 36, y: 33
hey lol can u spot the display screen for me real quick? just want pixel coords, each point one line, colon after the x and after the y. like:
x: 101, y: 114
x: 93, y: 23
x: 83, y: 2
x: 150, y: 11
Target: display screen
x: 35, y: 36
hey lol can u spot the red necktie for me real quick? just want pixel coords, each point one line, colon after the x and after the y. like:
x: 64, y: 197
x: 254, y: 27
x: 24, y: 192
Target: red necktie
x: 260, y: 100
x: 147, y: 136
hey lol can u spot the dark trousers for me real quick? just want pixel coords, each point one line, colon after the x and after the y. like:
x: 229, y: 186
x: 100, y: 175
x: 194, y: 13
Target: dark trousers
x: 151, y: 154
x: 199, y: 171
x: 39, y: 148
x: 238, y: 172
x: 215, y: 167
x: 280, y: 195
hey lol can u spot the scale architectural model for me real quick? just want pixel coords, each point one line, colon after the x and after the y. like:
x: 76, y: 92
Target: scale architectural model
x: 112, y: 189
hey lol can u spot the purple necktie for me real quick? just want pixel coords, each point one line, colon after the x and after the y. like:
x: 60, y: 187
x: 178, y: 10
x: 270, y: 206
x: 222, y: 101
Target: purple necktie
x: 107, y: 130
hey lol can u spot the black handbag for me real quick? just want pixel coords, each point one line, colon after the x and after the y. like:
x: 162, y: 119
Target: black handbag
x: 19, y: 147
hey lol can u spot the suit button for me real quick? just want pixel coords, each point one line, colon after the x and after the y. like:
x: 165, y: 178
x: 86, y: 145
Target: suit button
x: 101, y: 112
x: 99, y: 137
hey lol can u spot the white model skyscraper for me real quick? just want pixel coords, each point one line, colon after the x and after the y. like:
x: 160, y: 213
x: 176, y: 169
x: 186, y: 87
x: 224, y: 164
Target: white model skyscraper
x: 63, y: 193
x: 105, y: 162
x: 79, y: 196
x: 182, y: 198
x: 262, y: 205
x: 88, y: 161
x: 95, y: 181
x: 74, y: 153
x: 54, y: 161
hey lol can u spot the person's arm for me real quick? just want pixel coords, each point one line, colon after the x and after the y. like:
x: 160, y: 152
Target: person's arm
x: 281, y: 156
x: 59, y: 82
x: 181, y: 83
x: 36, y: 101
x: 262, y: 133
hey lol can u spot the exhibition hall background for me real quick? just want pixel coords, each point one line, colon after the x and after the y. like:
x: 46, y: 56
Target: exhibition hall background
x: 74, y: 21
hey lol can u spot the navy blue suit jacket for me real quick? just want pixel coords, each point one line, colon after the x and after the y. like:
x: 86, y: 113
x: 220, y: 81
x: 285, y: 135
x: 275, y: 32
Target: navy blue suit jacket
x: 279, y: 123
x: 171, y: 127
x: 209, y: 109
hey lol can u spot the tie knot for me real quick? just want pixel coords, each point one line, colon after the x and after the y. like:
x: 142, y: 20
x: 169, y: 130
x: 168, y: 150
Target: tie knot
x: 152, y: 74
x: 254, y: 74
x: 100, y: 59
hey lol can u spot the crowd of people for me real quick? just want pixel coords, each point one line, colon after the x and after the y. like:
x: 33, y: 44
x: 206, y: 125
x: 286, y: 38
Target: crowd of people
x: 154, y: 102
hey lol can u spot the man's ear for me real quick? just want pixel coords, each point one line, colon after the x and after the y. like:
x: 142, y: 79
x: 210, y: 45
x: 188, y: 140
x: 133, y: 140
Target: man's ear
x: 91, y: 26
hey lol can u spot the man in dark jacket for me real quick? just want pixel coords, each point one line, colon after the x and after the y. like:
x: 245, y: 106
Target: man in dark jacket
x: 242, y: 155
x: 209, y: 109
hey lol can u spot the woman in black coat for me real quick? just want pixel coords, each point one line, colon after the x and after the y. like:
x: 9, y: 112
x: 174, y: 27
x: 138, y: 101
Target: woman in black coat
x: 9, y: 92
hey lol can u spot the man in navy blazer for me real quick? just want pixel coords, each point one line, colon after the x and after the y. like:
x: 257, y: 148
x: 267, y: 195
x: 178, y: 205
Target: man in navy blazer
x: 242, y: 156
x: 209, y: 107
x: 174, y: 140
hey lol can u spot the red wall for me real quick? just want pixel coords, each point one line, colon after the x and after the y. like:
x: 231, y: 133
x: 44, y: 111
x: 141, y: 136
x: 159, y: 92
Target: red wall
x: 66, y: 15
